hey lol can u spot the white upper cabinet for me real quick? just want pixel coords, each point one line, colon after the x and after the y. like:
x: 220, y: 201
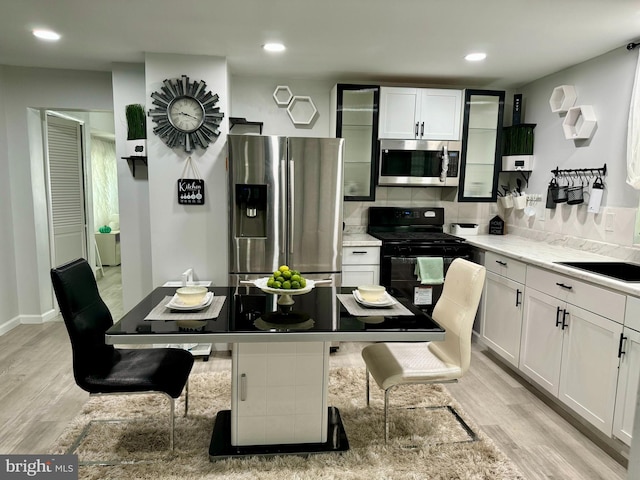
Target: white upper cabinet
x: 420, y: 113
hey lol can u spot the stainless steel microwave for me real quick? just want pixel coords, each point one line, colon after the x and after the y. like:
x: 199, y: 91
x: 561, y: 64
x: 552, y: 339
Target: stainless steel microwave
x: 419, y: 163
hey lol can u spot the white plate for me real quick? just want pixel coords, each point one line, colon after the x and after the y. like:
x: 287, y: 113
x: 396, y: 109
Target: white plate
x: 386, y: 300
x: 176, y: 304
x: 261, y: 283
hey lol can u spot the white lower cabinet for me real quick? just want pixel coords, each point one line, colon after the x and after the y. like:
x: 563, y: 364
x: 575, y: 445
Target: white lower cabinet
x: 278, y: 393
x: 628, y: 380
x: 502, y: 316
x: 572, y: 353
x: 360, y: 266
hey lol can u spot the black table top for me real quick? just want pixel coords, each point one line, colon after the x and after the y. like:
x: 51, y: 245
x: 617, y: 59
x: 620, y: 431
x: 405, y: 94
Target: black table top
x: 246, y: 317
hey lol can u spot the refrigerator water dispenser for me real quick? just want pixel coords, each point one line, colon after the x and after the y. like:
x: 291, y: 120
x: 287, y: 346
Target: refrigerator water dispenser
x: 251, y: 210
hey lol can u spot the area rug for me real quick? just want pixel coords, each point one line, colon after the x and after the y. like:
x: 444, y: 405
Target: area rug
x: 425, y: 443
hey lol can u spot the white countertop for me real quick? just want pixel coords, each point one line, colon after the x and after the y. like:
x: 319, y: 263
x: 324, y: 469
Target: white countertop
x: 545, y: 254
x: 359, y: 240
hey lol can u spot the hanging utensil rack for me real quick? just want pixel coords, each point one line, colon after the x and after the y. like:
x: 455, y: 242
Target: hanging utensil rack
x: 581, y: 172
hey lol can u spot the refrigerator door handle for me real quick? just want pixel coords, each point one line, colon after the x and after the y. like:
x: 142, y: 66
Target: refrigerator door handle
x: 290, y: 206
x: 282, y: 211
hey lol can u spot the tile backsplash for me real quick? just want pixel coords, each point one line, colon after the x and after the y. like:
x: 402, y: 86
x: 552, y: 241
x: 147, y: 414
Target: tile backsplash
x: 609, y: 232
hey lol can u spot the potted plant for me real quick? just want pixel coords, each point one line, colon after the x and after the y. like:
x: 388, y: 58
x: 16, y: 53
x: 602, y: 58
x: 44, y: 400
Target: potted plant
x: 136, y: 130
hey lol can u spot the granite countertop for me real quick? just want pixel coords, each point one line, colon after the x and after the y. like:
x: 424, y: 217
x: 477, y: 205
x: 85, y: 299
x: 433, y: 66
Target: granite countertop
x: 544, y: 255
x: 359, y: 240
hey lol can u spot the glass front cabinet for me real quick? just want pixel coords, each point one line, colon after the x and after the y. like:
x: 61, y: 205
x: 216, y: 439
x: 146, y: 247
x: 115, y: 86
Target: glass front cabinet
x: 355, y: 118
x: 481, y: 145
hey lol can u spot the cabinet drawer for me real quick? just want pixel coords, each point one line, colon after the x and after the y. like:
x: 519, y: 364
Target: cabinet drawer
x: 595, y: 299
x: 360, y: 255
x: 505, y: 266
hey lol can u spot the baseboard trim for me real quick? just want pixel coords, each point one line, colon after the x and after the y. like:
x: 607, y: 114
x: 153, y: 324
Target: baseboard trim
x: 9, y: 325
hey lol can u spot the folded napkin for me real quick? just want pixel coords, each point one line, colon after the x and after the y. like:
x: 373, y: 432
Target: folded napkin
x: 430, y: 270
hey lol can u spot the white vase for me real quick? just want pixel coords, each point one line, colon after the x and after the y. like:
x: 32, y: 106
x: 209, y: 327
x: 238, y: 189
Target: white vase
x: 136, y: 148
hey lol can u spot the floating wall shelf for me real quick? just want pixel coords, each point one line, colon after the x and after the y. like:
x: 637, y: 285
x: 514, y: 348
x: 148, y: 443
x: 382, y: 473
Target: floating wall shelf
x: 302, y: 110
x: 580, y: 123
x: 282, y: 95
x: 563, y: 98
x: 132, y: 162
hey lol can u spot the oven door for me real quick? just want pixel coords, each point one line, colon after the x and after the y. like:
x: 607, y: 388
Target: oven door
x: 398, y: 275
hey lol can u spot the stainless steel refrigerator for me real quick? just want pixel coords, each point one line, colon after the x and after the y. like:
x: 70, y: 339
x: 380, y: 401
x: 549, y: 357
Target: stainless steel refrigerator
x: 285, y: 206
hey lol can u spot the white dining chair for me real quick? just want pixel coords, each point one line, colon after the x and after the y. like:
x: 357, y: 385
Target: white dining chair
x: 395, y: 364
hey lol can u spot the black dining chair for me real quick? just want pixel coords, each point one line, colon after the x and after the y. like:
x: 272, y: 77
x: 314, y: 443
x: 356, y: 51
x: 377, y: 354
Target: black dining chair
x: 102, y: 369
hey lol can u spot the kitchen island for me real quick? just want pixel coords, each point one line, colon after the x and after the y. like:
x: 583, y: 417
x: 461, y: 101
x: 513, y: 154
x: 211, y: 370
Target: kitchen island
x: 280, y: 362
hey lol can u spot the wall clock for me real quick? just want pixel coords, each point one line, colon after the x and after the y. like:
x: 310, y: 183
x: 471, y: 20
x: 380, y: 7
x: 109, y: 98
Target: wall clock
x: 186, y: 114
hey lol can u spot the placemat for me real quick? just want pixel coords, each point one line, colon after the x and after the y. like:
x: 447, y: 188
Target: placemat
x: 357, y: 310
x: 161, y: 312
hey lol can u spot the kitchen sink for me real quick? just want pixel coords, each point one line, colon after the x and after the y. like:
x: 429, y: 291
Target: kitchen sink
x: 627, y: 272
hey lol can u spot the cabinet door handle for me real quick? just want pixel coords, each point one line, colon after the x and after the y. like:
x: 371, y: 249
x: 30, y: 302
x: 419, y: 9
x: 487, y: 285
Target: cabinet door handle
x: 500, y: 262
x: 416, y: 129
x: 243, y: 387
x: 558, y: 317
x: 518, y: 293
x: 620, y: 351
x: 564, y: 317
x: 422, y: 129
x: 562, y: 285
x: 358, y: 252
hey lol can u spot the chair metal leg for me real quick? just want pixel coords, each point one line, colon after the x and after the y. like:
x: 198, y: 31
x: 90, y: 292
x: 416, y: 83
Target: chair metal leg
x: 172, y: 425
x: 386, y: 414
x: 186, y: 398
x: 367, y: 373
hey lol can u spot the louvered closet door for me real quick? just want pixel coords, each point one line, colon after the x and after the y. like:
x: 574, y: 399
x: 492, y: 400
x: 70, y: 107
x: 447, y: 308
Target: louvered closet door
x: 66, y: 192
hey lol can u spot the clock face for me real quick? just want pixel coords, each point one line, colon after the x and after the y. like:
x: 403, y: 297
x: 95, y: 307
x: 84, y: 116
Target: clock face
x: 186, y: 114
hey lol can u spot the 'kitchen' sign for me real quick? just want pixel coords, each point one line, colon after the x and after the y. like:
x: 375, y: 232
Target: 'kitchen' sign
x: 190, y: 191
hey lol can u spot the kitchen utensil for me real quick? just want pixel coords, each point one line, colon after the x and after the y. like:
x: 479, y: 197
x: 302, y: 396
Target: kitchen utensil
x: 575, y: 195
x: 560, y: 195
x: 552, y: 190
x: 595, y: 197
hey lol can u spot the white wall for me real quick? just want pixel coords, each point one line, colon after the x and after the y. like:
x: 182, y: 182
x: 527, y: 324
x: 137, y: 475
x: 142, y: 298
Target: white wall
x: 252, y: 98
x: 184, y: 236
x: 8, y: 287
x: 25, y: 89
x: 133, y: 193
x: 604, y: 82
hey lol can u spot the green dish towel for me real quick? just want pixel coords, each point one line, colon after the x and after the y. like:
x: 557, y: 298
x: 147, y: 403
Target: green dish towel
x: 430, y: 270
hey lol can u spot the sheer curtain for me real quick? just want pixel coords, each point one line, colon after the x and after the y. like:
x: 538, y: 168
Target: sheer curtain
x: 104, y: 175
x: 633, y: 133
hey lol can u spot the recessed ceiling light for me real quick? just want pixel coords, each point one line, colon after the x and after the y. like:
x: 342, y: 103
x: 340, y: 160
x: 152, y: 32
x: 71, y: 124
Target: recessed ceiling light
x: 46, y: 34
x: 475, y: 57
x: 273, y: 47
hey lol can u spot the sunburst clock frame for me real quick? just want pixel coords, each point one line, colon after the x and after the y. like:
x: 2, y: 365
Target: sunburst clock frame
x: 186, y: 115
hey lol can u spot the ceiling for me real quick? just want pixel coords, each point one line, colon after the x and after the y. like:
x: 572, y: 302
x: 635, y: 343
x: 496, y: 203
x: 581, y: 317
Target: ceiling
x: 382, y: 41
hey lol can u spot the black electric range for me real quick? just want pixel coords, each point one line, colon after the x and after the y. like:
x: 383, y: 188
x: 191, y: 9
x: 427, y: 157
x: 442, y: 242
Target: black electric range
x: 408, y: 234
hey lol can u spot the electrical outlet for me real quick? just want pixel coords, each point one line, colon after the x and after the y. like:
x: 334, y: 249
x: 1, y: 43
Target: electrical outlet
x: 609, y: 218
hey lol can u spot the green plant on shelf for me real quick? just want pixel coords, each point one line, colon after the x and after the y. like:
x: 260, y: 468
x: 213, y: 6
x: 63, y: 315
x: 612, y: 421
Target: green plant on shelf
x: 136, y: 122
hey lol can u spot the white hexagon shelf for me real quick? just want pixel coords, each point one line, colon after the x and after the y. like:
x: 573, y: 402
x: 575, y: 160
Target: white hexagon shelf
x: 301, y: 110
x: 579, y: 123
x: 563, y: 98
x: 282, y: 95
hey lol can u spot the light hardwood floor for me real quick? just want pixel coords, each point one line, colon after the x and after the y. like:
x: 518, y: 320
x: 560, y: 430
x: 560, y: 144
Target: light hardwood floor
x: 39, y: 398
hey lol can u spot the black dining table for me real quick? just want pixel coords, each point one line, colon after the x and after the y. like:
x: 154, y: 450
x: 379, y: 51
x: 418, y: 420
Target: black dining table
x: 280, y: 358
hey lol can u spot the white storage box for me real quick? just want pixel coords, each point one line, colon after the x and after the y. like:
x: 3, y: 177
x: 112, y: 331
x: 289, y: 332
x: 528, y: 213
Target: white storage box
x: 464, y: 228
x: 517, y: 162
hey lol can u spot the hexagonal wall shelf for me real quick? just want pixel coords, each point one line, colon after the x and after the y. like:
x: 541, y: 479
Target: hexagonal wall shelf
x: 563, y: 98
x: 282, y: 95
x: 301, y: 110
x: 579, y: 123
